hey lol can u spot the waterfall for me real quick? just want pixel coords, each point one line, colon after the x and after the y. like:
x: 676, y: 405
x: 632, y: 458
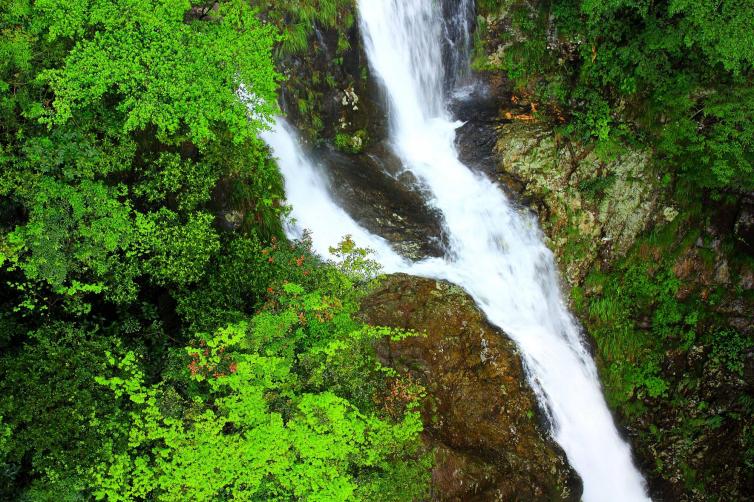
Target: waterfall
x: 313, y: 209
x: 457, y: 28
x: 495, y: 250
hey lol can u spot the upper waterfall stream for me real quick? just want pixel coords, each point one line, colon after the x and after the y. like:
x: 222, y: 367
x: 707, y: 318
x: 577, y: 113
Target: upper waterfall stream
x: 495, y: 250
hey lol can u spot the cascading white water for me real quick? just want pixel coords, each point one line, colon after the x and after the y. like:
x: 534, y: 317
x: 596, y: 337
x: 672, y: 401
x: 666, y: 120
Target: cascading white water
x: 313, y: 209
x: 495, y: 251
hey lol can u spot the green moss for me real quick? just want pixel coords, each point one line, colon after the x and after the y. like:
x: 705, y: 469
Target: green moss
x: 654, y: 306
x: 351, y: 143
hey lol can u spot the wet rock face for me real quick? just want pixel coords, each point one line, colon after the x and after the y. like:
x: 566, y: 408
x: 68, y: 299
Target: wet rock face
x: 327, y: 90
x: 589, y: 208
x: 744, y: 228
x: 748, y: 373
x: 480, y: 415
x: 370, y: 188
x: 480, y: 112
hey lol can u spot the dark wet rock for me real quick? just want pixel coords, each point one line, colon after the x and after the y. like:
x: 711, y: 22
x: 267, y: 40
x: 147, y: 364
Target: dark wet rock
x: 675, y: 363
x: 748, y: 373
x: 228, y: 215
x: 369, y: 188
x: 230, y: 220
x: 480, y: 415
x: 744, y: 228
x: 740, y: 314
x: 479, y: 110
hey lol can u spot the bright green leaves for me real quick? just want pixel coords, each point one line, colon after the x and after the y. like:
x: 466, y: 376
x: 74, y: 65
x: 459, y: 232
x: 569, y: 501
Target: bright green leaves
x: 260, y: 430
x: 721, y: 29
x: 144, y: 119
x: 82, y: 236
x: 62, y: 19
x: 73, y: 234
x: 178, y: 77
x: 135, y: 199
x: 186, y: 182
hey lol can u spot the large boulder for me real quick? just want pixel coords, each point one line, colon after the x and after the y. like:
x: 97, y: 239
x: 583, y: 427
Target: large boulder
x: 397, y: 209
x: 481, y: 417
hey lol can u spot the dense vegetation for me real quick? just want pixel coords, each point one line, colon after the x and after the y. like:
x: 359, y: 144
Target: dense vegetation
x: 672, y: 361
x: 674, y: 75
x: 158, y: 337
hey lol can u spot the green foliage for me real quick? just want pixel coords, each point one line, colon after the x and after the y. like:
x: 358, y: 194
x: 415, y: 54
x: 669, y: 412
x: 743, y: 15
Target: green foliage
x: 269, y: 418
x: 670, y: 363
x: 49, y: 395
x: 728, y: 349
x: 243, y: 278
x: 157, y: 338
x: 254, y: 184
x: 5, y: 434
x: 176, y: 76
x: 172, y: 251
x: 122, y: 119
x: 186, y: 182
x: 673, y: 75
x: 353, y: 262
x: 351, y: 143
x: 71, y: 242
x: 639, y: 290
x: 298, y: 19
x: 635, y: 315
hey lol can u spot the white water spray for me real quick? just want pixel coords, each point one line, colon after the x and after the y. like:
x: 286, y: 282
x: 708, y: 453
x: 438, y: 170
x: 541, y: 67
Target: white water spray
x: 495, y: 251
x: 313, y: 209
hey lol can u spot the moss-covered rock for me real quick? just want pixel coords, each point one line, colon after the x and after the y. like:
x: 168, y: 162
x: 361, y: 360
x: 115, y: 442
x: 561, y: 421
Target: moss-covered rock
x: 327, y: 91
x: 480, y: 415
x: 588, y: 207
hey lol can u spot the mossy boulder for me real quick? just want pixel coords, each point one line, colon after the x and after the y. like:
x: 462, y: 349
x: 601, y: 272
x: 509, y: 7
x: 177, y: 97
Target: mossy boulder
x: 481, y: 417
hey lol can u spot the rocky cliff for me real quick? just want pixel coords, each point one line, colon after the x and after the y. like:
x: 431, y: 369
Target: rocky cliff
x: 662, y: 283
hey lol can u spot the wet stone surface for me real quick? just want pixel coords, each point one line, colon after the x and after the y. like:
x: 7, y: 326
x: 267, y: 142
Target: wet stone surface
x: 478, y: 107
x: 371, y: 189
x: 481, y: 417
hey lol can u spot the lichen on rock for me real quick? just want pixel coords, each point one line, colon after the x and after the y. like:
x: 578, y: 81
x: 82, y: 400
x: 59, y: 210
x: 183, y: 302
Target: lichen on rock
x: 588, y: 207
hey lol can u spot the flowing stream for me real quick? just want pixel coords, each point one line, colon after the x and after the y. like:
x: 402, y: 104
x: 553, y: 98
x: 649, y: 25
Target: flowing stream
x: 495, y: 250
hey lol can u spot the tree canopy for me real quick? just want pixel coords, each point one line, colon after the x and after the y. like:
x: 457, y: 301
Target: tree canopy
x: 159, y: 339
